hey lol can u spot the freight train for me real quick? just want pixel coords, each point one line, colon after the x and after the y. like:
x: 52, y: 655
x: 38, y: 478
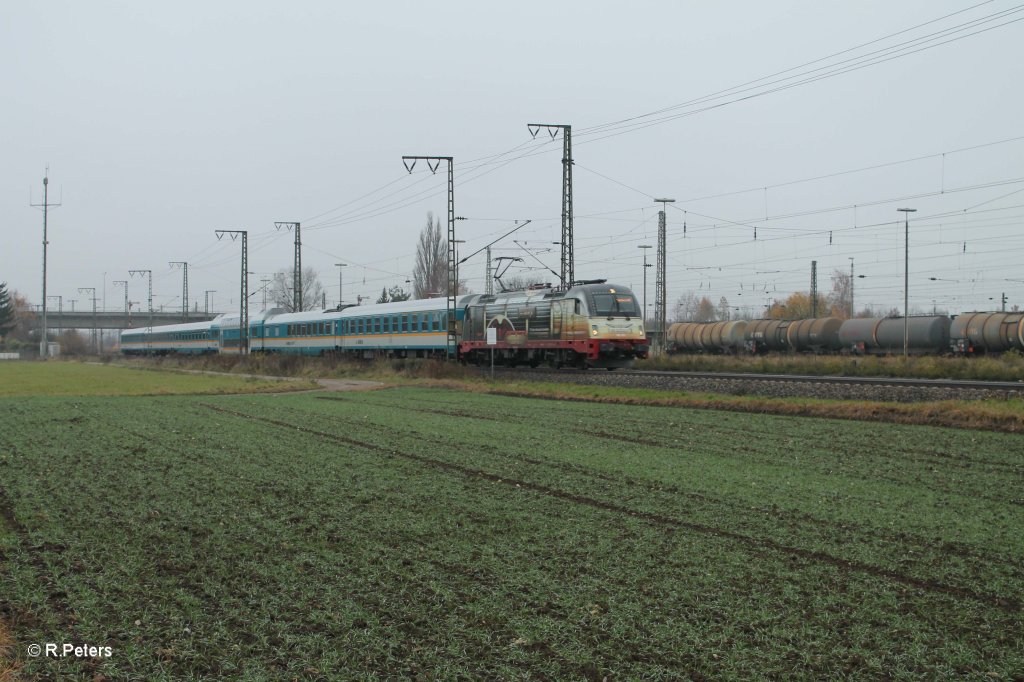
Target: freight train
x: 591, y: 324
x: 966, y: 334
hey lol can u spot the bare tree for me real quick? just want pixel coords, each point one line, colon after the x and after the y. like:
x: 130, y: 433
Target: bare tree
x: 517, y: 282
x: 839, y: 298
x: 705, y: 310
x: 686, y: 307
x: 72, y: 343
x: 24, y: 319
x: 430, y: 274
x: 797, y: 306
x: 723, y: 308
x: 282, y: 291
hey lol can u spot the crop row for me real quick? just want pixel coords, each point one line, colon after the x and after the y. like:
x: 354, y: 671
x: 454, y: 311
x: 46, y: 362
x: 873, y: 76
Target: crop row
x: 414, y: 531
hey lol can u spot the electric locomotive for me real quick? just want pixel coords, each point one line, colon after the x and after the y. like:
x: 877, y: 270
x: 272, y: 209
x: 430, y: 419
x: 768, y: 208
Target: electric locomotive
x: 592, y: 324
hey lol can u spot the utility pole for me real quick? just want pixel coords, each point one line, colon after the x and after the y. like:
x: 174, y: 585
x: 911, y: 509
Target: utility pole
x: 433, y: 163
x: 243, y: 313
x: 645, y: 247
x: 814, y: 288
x: 852, y: 314
x: 341, y: 299
x: 488, y: 276
x: 659, y: 283
x: 184, y: 287
x: 44, y: 347
x: 906, y: 277
x: 95, y: 329
x: 297, y: 267
x: 206, y: 304
x: 568, y: 273
x: 100, y: 331
x: 149, y: 273
x: 124, y: 283
x: 1004, y: 302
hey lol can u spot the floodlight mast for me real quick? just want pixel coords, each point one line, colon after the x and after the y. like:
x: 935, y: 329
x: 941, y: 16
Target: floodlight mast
x: 44, y: 346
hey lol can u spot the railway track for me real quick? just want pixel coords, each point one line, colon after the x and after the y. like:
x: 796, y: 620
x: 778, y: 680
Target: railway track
x: 872, y: 388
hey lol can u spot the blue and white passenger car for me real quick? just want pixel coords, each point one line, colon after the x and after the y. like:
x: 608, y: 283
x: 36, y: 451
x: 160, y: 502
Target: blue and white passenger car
x: 403, y: 329
x: 191, y: 338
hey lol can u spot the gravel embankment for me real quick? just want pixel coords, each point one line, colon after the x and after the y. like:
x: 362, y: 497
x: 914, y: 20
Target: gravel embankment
x: 766, y: 388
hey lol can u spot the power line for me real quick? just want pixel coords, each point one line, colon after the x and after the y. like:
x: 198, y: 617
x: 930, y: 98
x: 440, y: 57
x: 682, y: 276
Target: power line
x: 474, y: 169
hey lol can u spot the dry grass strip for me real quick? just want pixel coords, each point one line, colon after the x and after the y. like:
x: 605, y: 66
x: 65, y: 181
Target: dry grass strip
x: 9, y: 666
x: 1006, y: 417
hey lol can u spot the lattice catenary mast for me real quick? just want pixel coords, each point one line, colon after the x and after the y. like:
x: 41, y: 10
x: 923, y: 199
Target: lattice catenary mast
x: 433, y: 163
x: 243, y: 312
x: 297, y: 267
x: 568, y: 272
x: 140, y: 273
x: 659, y: 282
x: 184, y: 286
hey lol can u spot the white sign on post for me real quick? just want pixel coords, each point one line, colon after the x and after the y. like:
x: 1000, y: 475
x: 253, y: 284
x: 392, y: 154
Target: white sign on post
x: 492, y: 340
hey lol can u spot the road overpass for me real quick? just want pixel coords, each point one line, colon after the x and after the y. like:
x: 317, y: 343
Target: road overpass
x: 83, y: 319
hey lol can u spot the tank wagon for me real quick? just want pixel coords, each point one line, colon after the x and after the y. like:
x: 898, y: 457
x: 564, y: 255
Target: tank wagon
x: 987, y: 332
x: 930, y: 334
x: 710, y: 337
x: 592, y: 324
x: 814, y: 334
x: 927, y: 335
x: 810, y: 335
x: 767, y: 335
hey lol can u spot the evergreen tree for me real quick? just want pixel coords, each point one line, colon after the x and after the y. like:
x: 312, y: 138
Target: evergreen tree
x: 7, y: 317
x: 397, y: 293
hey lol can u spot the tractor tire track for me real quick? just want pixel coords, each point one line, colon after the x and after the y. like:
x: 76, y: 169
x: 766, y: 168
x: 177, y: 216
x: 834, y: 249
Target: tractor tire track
x: 944, y: 547
x: 1008, y: 604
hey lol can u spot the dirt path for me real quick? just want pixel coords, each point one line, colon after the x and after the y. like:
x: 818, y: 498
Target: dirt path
x: 325, y: 384
x: 349, y: 384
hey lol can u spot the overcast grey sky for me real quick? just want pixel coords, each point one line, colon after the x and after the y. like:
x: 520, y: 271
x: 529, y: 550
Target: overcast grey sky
x: 162, y: 122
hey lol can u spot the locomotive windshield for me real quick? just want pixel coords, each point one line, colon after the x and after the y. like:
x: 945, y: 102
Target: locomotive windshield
x: 615, y: 305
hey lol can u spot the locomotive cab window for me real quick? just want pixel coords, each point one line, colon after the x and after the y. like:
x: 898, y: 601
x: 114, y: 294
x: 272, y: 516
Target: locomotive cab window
x: 615, y: 305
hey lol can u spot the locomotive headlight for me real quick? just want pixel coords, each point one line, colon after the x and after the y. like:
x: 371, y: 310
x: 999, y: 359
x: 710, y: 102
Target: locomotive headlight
x: 593, y: 330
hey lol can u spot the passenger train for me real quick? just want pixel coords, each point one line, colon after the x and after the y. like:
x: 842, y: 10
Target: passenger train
x: 592, y: 324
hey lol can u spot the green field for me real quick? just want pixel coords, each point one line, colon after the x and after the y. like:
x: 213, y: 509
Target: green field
x: 437, y: 533
x: 56, y: 378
